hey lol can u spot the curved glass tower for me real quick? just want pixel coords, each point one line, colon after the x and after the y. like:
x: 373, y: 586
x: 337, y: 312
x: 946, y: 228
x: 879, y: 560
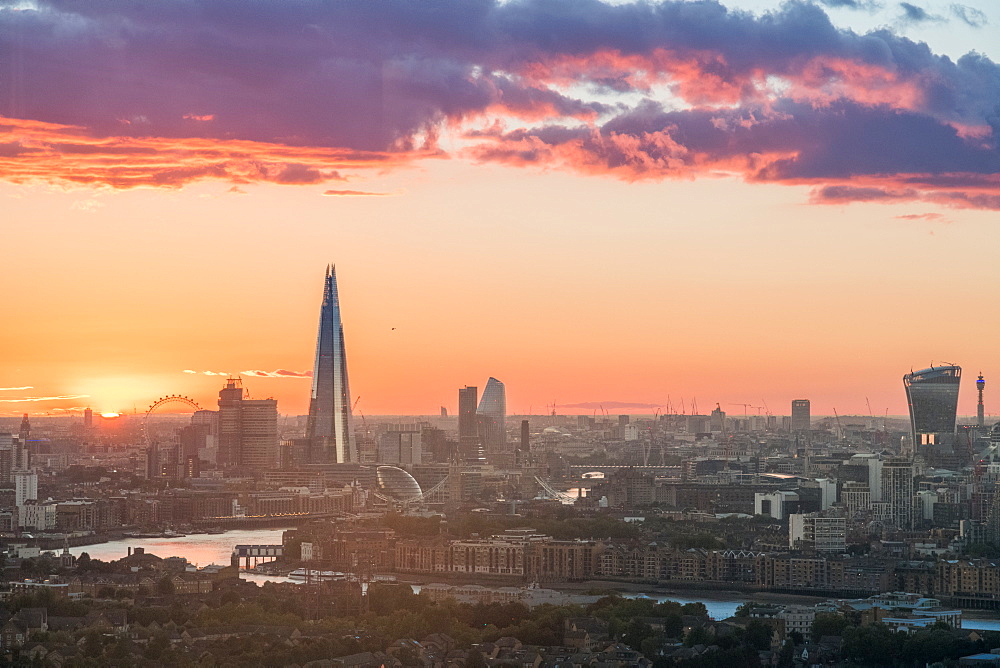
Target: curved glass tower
x: 491, y: 418
x: 932, y: 395
x: 330, y: 430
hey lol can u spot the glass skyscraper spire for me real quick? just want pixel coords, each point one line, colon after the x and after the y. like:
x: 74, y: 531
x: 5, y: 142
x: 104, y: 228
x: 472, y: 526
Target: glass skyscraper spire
x: 330, y: 430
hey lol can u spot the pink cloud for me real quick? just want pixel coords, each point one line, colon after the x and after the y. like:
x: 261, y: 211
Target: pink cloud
x: 278, y: 373
x: 780, y: 97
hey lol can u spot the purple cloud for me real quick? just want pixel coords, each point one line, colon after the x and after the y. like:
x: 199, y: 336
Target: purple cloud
x: 134, y: 93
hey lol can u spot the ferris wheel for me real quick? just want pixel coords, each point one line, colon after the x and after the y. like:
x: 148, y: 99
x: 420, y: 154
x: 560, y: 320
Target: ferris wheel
x: 170, y: 398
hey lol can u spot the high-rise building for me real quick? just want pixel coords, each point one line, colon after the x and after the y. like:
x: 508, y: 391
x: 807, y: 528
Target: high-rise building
x: 717, y: 420
x: 330, y: 429
x: 401, y: 444
x: 25, y: 487
x: 468, y: 431
x: 491, y: 418
x: 897, y: 492
x: 25, y: 431
x: 801, y: 415
x: 248, y: 430
x: 88, y: 418
x: 932, y: 396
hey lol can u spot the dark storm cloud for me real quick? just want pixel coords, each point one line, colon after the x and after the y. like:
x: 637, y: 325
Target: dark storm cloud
x: 297, y: 92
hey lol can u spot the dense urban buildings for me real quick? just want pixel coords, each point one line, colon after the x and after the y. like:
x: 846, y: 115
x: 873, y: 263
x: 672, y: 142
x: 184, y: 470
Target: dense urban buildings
x: 330, y: 431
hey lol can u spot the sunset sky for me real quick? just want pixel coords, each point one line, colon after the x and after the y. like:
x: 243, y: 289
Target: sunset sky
x: 738, y: 202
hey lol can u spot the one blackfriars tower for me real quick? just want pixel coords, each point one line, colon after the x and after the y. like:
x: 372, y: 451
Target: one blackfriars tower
x: 491, y: 418
x: 330, y: 430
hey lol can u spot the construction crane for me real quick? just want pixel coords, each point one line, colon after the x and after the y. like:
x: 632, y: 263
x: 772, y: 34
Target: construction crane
x: 840, y: 430
x: 745, y: 406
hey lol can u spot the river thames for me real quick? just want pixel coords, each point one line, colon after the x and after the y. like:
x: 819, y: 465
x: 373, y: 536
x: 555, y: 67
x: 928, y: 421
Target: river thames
x: 205, y: 549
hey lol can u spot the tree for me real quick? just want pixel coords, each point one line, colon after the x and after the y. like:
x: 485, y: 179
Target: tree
x: 636, y: 632
x: 787, y: 654
x: 697, y: 636
x: 165, y: 587
x: 475, y: 659
x: 759, y: 634
x: 828, y: 624
x: 744, y: 609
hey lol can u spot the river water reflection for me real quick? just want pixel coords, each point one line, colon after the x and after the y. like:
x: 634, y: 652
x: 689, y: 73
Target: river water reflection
x: 204, y: 549
x: 200, y: 549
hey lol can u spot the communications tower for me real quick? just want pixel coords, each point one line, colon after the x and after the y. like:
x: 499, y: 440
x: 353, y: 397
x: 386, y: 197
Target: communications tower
x: 980, y: 412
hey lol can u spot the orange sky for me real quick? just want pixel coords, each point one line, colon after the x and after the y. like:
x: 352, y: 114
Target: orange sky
x: 568, y: 289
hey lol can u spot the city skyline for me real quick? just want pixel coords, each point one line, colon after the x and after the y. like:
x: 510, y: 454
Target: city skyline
x: 750, y: 240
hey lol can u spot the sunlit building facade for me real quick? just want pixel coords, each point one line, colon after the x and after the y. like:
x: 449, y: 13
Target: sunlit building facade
x: 396, y: 485
x: 932, y: 397
x: 491, y: 417
x: 330, y: 430
x: 248, y: 431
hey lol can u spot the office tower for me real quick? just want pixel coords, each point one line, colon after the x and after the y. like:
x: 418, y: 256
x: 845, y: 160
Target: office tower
x: 875, y: 465
x: 7, y: 466
x: 25, y: 430
x: 623, y: 420
x: 932, y: 397
x: 468, y: 434
x: 401, y: 444
x: 20, y: 458
x: 525, y: 436
x: 88, y: 418
x: 980, y: 411
x: 248, y: 430
x: 801, y: 415
x: 897, y: 491
x: 444, y: 412
x: 330, y: 428
x: 25, y: 487
x: 491, y: 418
x: 717, y: 419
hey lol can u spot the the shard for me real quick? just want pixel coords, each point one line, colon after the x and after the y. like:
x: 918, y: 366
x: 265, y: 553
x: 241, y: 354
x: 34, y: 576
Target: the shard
x: 330, y: 430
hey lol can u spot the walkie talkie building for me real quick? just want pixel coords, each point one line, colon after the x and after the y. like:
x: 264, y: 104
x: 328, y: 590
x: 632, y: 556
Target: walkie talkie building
x: 932, y: 396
